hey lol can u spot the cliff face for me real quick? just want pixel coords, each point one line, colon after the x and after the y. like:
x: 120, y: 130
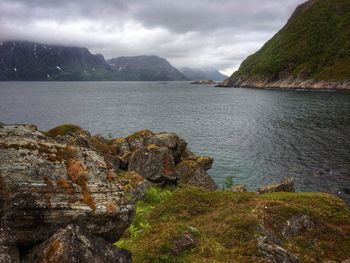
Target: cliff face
x: 311, y: 51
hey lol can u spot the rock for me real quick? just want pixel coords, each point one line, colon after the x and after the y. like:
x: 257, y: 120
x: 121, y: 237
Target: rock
x: 8, y: 249
x: 121, y: 145
x: 346, y: 261
x: 70, y: 134
x: 139, y: 139
x: 204, y: 161
x: 286, y: 185
x: 297, y: 225
x: 192, y: 173
x: 154, y: 163
x: 74, y: 244
x: 186, y: 242
x: 237, y: 189
x: 172, y: 142
x: 50, y: 184
x: 275, y: 253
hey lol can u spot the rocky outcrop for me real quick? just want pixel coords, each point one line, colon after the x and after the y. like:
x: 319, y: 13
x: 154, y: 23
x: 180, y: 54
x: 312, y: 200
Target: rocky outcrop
x: 8, y: 248
x: 296, y: 225
x: 286, y: 185
x: 289, y: 82
x: 50, y: 184
x: 74, y: 244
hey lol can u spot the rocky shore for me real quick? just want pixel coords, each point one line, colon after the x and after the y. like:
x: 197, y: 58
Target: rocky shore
x: 285, y: 83
x: 66, y: 196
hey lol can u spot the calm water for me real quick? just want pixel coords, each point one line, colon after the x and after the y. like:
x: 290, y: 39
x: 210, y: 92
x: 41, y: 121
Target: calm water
x: 257, y: 136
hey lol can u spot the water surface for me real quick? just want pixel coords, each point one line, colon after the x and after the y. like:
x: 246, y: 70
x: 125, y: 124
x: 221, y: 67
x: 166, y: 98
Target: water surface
x: 257, y: 136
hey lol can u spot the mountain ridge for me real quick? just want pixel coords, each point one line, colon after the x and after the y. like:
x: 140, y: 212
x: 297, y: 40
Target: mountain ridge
x: 311, y: 51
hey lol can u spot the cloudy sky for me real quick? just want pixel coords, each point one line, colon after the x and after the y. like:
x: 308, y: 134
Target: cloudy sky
x: 195, y: 33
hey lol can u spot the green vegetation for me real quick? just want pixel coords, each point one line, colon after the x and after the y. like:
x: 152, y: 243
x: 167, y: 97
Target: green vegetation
x: 227, y: 225
x: 62, y: 130
x: 228, y: 182
x: 315, y: 44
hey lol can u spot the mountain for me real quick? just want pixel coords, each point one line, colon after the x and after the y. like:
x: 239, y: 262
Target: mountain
x: 21, y: 60
x: 152, y: 68
x: 311, y: 51
x: 33, y: 61
x: 202, y: 74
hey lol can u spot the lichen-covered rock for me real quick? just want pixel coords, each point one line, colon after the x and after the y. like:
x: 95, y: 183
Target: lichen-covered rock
x: 296, y: 225
x: 205, y: 161
x: 191, y: 172
x: 50, y: 184
x: 139, y: 139
x: 8, y: 249
x: 122, y: 146
x: 74, y: 244
x: 154, y: 163
x: 286, y: 185
x: 185, y: 242
x: 275, y: 253
x: 172, y: 142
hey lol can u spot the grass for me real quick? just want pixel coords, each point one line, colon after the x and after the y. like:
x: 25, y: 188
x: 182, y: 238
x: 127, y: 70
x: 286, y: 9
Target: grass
x: 313, y: 45
x: 62, y: 130
x: 228, y: 225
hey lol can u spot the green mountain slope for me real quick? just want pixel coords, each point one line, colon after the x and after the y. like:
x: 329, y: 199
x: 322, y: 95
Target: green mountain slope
x: 313, y: 45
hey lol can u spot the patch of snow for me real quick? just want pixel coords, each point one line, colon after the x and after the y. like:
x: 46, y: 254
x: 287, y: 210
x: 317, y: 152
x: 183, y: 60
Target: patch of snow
x: 58, y: 68
x: 15, y: 69
x: 120, y: 68
x: 44, y: 47
x: 48, y: 75
x: 93, y: 69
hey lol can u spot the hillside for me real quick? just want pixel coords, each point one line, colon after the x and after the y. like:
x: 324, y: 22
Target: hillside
x: 151, y: 68
x: 21, y: 60
x: 311, y: 51
x: 32, y: 61
x: 202, y: 74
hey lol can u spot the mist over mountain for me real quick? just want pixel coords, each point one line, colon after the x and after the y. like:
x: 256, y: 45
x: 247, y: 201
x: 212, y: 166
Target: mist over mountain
x: 202, y: 74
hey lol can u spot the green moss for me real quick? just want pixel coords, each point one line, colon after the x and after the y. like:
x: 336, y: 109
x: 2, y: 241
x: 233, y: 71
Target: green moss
x: 313, y: 45
x: 228, y: 226
x: 62, y: 130
x: 139, y: 134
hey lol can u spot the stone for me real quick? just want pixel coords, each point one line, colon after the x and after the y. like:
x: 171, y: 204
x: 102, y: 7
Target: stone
x: 297, y: 225
x: 8, y: 248
x: 74, y: 244
x: 139, y: 139
x: 192, y: 173
x: 237, y: 189
x: 50, y: 184
x: 155, y: 164
x: 186, y: 242
x: 121, y: 145
x: 172, y: 142
x: 275, y: 253
x: 205, y: 161
x: 286, y: 185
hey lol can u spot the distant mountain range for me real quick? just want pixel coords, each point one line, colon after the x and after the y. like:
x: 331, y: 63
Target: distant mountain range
x: 22, y: 60
x: 202, y: 74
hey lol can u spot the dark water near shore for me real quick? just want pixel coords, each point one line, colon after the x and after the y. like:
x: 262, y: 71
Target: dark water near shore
x: 257, y: 136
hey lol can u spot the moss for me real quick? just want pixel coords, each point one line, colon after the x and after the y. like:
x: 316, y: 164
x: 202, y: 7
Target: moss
x: 139, y: 134
x: 62, y: 130
x: 229, y: 223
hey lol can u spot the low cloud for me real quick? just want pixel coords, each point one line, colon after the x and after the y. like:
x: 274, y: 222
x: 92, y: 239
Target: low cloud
x: 196, y: 33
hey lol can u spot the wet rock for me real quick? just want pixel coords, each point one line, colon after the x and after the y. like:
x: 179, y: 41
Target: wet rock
x: 74, y: 244
x: 275, y: 253
x: 8, y: 248
x: 286, y: 185
x: 172, y: 142
x: 186, y: 242
x: 296, y: 225
x: 50, y: 184
x: 237, y: 189
x: 139, y: 139
x: 154, y: 163
x: 192, y: 173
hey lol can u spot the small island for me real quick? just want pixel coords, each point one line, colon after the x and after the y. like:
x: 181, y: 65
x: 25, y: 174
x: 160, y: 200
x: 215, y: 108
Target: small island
x: 203, y: 82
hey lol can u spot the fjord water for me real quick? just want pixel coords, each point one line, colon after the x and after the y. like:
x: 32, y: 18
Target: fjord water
x: 256, y: 136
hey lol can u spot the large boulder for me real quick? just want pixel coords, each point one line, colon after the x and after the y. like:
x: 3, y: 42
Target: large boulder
x: 74, y: 244
x: 154, y: 163
x: 139, y: 139
x: 286, y: 185
x: 50, y: 184
x: 191, y: 172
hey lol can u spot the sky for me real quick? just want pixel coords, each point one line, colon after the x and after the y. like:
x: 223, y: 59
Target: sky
x: 194, y: 33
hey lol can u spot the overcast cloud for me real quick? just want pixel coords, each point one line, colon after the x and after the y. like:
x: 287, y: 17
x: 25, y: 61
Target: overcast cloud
x: 194, y: 33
